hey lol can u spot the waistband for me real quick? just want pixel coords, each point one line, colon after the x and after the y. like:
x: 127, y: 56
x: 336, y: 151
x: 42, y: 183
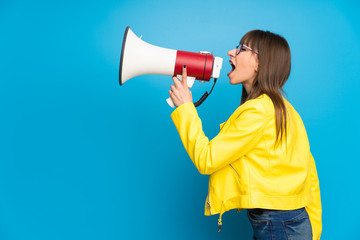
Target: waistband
x: 267, y: 214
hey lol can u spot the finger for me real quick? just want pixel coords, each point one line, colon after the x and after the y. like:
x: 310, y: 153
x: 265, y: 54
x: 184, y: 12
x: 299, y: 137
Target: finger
x: 177, y: 82
x: 175, y: 91
x: 171, y: 95
x: 184, y: 76
x: 174, y: 98
x: 173, y: 88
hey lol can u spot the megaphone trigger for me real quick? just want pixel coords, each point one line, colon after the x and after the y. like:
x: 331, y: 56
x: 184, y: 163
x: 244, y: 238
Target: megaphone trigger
x: 190, y: 80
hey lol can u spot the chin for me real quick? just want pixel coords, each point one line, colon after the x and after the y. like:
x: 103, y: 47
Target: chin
x: 231, y: 81
x: 234, y: 82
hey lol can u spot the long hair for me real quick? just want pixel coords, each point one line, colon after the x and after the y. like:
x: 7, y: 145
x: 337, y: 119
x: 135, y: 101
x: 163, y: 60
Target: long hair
x: 273, y: 71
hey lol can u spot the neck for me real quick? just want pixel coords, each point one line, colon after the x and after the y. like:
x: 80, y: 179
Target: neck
x: 247, y: 87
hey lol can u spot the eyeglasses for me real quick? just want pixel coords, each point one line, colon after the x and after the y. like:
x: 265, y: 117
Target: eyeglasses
x: 240, y: 47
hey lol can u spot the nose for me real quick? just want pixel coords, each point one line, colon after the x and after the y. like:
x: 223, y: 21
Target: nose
x: 231, y: 53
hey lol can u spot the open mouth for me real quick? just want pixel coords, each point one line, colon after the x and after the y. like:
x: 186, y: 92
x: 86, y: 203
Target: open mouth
x: 233, y: 67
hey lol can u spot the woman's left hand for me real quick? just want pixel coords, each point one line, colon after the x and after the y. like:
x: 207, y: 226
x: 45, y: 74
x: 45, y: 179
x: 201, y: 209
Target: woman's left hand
x: 180, y: 92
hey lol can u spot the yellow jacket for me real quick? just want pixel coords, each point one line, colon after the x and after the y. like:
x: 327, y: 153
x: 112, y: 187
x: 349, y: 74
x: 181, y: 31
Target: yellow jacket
x: 246, y: 170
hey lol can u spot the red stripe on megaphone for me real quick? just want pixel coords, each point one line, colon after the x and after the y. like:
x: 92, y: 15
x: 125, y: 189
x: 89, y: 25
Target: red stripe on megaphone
x: 198, y: 65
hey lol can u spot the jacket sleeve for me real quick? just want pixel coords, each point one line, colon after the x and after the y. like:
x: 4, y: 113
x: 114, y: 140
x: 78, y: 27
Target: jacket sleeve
x: 209, y: 156
x: 314, y: 209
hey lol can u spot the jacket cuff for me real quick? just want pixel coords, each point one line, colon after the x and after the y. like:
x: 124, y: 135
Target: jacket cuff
x: 186, y: 108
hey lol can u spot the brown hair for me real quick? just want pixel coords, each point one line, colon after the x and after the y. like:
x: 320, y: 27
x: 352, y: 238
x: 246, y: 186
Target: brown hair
x: 273, y: 71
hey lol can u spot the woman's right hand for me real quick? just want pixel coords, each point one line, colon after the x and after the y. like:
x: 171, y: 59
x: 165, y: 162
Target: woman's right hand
x: 180, y: 92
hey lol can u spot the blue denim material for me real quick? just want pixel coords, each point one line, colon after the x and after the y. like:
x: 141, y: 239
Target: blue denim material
x: 280, y: 224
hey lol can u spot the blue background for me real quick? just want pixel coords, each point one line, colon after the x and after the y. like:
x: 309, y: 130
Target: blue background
x: 83, y: 158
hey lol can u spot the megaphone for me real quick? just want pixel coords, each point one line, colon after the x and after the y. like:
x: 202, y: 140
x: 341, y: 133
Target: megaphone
x: 139, y: 58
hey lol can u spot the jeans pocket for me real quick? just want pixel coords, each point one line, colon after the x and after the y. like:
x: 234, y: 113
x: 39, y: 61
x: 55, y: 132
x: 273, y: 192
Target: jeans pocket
x: 262, y: 228
x: 299, y: 227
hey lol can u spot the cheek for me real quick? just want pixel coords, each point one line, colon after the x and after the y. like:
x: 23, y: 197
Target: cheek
x: 244, y: 67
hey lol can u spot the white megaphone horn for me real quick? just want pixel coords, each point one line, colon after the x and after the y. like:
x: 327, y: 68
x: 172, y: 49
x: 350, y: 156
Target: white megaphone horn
x: 140, y: 58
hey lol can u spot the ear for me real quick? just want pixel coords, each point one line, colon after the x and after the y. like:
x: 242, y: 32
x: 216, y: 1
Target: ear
x: 256, y: 64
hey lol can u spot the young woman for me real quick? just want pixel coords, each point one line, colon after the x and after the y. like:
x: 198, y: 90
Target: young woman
x: 261, y: 159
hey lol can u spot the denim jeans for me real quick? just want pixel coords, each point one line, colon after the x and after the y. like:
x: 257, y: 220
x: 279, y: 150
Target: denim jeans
x: 280, y: 224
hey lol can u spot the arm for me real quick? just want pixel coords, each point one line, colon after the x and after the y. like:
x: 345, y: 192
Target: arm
x: 241, y: 136
x: 314, y: 209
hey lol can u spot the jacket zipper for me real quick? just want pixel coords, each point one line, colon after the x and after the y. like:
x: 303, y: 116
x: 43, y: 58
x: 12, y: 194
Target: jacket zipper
x: 219, y: 221
x: 235, y: 170
x: 209, y: 207
x: 208, y: 202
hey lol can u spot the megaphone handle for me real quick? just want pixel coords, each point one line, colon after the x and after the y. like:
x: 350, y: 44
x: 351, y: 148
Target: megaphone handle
x: 190, y: 83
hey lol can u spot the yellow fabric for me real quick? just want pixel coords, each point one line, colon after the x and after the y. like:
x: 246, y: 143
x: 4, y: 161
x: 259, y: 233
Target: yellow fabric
x: 246, y: 169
